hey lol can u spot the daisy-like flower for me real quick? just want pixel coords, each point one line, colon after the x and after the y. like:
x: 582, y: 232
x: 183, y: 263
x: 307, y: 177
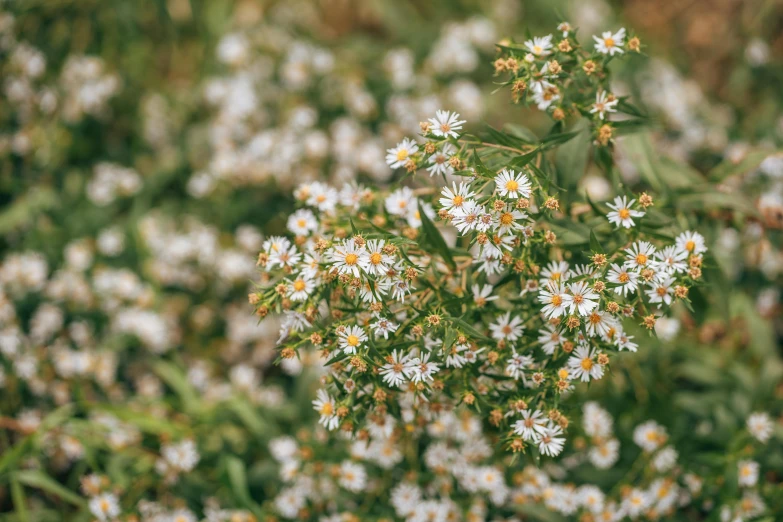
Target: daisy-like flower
x: 625, y: 342
x: 301, y: 288
x: 661, y: 292
x: 398, y: 156
x: 603, y: 104
x: 467, y: 216
x: 424, y: 369
x: 482, y: 294
x: 550, y: 440
x: 105, y: 507
x: 284, y: 258
x: 455, y: 197
x: 446, y: 124
x: 565, y: 27
x: 592, y: 498
x: 639, y: 255
x: 627, y: 280
x: 323, y: 197
x: 400, y: 288
x: 399, y: 202
x: 398, y: 369
x: 748, y: 474
x: 636, y: 503
x: 302, y: 222
x: 555, y: 272
x: 583, y: 299
x: 555, y: 299
x: 439, y: 160
x: 351, y: 338
x: 530, y: 424
x: 374, y: 291
x: 540, y: 45
x: 309, y: 267
x: 414, y: 216
x: 550, y: 338
x: 609, y: 43
x: 498, y: 243
x: 507, y: 328
x: 384, y: 327
x: 353, y: 476
x: 325, y: 406
x: 583, y: 365
x: 760, y: 426
x: 691, y: 242
x: 546, y: 97
x: 378, y: 262
x: 512, y: 185
x: 348, y: 257
x: 605, y: 454
x: 276, y: 244
x: 517, y: 364
x: 600, y: 323
x: 671, y: 260
x: 649, y: 436
x: 508, y: 220
x: 622, y: 214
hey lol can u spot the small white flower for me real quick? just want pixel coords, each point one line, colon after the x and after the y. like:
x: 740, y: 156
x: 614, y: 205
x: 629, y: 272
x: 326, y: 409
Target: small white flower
x: 583, y: 365
x: 691, y: 242
x: 301, y: 288
x: 351, y: 338
x: 555, y: 299
x: 622, y: 214
x: 540, y: 45
x: 626, y: 279
x: 455, y: 198
x: 399, y: 202
x: 603, y: 105
x: 610, y: 43
x: 105, y: 507
x: 446, y: 124
x: 439, y: 160
x: 348, y: 257
x: 482, y: 294
x: 384, y: 327
x: 424, y: 369
x: 398, y: 156
x: 549, y: 440
x: 512, y: 185
x: 302, y: 222
x: 661, y: 292
x: 397, y: 369
x: 516, y: 365
x: 325, y: 406
x: 639, y: 255
x: 530, y: 424
x: 507, y: 328
x: 649, y: 436
x: 760, y: 426
x: 748, y: 473
x: 378, y: 261
x: 582, y: 299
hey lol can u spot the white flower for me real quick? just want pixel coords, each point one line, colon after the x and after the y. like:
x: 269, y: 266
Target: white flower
x: 446, y: 124
x: 467, y: 217
x: 400, y: 288
x: 323, y: 197
x: 424, y: 369
x: 601, y: 323
x: 439, y: 160
x: 661, y: 292
x: 639, y: 255
x: 555, y: 272
x: 302, y: 222
x: 591, y: 498
x: 760, y: 426
x: 550, y: 338
x: 748, y: 473
x: 455, y: 198
x: 610, y: 43
x: 649, y: 436
x: 351, y: 338
x: 301, y: 288
x: 404, y: 498
x: 507, y: 328
x: 325, y: 406
x: 665, y: 459
x: 582, y: 299
x: 636, y: 503
x: 512, y: 185
x: 348, y: 257
x: 691, y: 242
x: 482, y: 294
x: 583, y: 366
x: 540, y: 45
x: 384, y: 327
x: 508, y: 220
x: 516, y: 365
x: 671, y: 260
x: 398, y: 156
x: 397, y: 369
x: 549, y: 440
x: 399, y: 202
x: 530, y: 424
x: 604, y: 455
x: 622, y: 214
x: 353, y: 476
x: 627, y: 279
x: 414, y: 216
x: 602, y: 106
x: 378, y: 262
x: 105, y: 506
x: 624, y: 342
x: 555, y: 300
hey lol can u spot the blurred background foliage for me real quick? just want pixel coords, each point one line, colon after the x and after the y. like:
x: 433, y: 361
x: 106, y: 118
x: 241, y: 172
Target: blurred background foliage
x: 713, y: 90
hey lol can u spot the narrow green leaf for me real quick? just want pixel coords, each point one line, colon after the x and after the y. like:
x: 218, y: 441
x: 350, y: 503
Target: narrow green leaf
x: 595, y: 246
x: 434, y: 235
x: 40, y: 480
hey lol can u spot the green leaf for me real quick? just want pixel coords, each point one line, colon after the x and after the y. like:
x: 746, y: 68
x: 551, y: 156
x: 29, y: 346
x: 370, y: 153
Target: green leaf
x: 249, y: 416
x: 38, y: 479
x: 176, y: 380
x: 435, y: 237
x: 237, y: 477
x: 595, y: 246
x: 571, y: 157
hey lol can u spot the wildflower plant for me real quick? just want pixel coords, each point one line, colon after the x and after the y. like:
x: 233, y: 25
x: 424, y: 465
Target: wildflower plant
x: 468, y: 285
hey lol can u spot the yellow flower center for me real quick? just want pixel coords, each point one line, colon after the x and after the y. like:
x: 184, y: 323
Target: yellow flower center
x: 537, y: 49
x: 445, y: 127
x: 457, y: 201
x: 512, y: 185
x: 320, y: 198
x: 609, y: 42
x: 578, y: 299
x: 624, y: 213
x: 595, y: 318
x: 351, y: 259
x: 623, y: 278
x: 690, y: 245
x: 402, y: 203
x: 352, y: 340
x: 641, y: 259
x: 299, y: 285
x: 104, y: 505
x: 562, y: 373
x: 506, y: 218
x: 376, y: 258
x: 402, y: 154
x: 327, y: 409
x: 557, y: 300
x: 661, y: 291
